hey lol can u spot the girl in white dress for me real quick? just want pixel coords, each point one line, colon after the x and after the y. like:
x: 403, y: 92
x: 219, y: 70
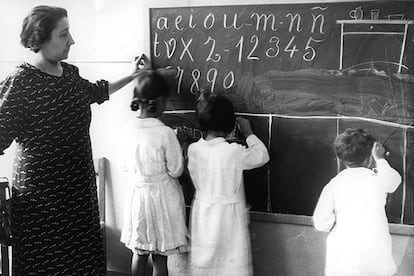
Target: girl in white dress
x: 351, y: 208
x: 154, y: 221
x: 220, y: 243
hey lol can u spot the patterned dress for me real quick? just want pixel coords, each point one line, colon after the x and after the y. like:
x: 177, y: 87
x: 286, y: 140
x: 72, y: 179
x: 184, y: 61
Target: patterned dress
x: 55, y: 219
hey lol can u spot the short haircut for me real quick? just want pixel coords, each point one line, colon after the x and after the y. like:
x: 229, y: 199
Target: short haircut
x: 149, y: 86
x: 215, y: 113
x: 38, y: 25
x: 354, y: 146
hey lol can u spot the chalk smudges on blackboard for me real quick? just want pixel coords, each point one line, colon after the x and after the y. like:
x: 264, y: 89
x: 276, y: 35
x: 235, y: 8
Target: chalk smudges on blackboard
x: 308, y: 71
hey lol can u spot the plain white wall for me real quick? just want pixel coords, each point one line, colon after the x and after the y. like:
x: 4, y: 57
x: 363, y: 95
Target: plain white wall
x: 107, y: 34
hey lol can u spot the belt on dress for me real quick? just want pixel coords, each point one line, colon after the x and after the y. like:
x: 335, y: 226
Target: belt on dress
x: 149, y: 180
x: 219, y: 199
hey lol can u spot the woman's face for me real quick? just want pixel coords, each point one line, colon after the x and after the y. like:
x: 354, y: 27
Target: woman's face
x: 57, y: 47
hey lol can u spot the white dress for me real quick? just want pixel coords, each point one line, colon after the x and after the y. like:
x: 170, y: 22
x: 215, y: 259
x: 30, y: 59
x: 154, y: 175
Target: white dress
x: 352, y: 207
x: 154, y: 218
x: 220, y: 243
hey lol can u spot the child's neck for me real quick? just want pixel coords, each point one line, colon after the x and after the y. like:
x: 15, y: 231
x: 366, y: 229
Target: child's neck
x: 366, y: 164
x: 214, y: 134
x: 145, y: 114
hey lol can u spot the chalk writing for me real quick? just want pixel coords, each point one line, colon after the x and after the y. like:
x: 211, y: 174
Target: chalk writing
x: 173, y: 40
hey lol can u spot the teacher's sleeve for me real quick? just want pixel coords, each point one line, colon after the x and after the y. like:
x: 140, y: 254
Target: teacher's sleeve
x: 98, y: 91
x: 11, y: 112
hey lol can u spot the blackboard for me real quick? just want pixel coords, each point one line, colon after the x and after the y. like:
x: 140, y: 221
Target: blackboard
x: 301, y: 73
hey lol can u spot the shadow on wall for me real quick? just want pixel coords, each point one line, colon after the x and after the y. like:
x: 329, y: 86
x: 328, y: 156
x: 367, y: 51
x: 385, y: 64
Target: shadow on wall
x: 118, y: 256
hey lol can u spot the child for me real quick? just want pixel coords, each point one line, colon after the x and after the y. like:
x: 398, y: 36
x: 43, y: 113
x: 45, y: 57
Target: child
x: 154, y: 220
x: 220, y: 242
x: 351, y: 207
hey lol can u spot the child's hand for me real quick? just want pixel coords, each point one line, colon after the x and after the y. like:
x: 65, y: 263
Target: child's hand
x: 244, y: 126
x: 378, y: 151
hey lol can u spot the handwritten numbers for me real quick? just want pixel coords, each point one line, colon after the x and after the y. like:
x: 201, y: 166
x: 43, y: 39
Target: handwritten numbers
x: 240, y: 44
x: 197, y: 78
x: 228, y: 80
x: 195, y: 74
x: 310, y: 52
x: 254, y: 39
x: 290, y: 48
x: 211, y: 78
x: 273, y: 52
x: 180, y: 73
x: 213, y: 46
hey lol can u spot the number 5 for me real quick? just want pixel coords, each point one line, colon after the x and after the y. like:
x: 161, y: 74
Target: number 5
x: 310, y: 50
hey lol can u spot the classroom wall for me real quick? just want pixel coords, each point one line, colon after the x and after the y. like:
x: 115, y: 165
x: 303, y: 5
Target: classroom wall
x: 290, y: 245
x: 108, y: 34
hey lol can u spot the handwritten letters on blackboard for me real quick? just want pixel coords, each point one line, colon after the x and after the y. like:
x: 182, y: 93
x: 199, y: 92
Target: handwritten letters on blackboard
x: 301, y: 73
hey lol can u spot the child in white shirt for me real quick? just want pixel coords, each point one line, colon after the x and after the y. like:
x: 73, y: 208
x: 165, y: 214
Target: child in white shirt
x: 220, y: 243
x: 154, y: 221
x: 352, y: 208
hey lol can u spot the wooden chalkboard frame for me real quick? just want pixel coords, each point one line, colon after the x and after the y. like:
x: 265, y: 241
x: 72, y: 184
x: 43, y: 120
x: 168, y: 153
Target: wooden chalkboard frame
x: 395, y: 229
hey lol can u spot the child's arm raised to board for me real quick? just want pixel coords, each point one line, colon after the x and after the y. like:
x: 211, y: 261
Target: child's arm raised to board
x: 256, y: 155
x: 387, y: 177
x: 173, y: 155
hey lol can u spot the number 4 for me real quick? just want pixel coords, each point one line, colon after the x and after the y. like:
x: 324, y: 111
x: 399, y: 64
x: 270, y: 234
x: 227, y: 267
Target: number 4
x: 291, y: 49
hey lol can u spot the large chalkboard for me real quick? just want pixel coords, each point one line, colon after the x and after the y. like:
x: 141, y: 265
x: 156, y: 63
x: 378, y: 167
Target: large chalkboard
x: 301, y: 73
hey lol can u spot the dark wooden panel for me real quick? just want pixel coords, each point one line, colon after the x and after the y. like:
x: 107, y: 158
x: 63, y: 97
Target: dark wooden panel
x: 409, y: 179
x: 256, y: 181
x: 302, y: 163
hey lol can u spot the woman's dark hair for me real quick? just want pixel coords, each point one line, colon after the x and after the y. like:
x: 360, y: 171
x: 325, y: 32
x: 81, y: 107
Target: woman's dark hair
x: 39, y: 24
x: 215, y: 112
x: 149, y: 85
x: 354, y: 146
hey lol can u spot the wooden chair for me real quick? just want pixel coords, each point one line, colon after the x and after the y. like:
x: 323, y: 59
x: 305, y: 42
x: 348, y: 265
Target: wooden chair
x: 5, y: 260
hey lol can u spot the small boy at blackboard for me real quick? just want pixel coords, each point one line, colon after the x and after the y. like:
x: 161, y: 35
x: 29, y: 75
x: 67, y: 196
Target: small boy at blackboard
x: 220, y: 243
x: 352, y: 207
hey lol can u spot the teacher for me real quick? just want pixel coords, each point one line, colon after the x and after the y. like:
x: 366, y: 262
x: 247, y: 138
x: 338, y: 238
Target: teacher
x: 45, y: 108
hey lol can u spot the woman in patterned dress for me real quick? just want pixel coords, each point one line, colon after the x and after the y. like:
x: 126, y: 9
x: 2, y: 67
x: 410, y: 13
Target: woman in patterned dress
x: 45, y: 108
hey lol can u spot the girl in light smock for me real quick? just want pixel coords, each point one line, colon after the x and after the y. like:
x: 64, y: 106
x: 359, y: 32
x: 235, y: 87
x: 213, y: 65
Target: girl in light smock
x: 351, y: 208
x: 220, y: 243
x: 154, y: 221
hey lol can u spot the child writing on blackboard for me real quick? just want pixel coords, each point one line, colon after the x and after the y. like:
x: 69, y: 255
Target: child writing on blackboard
x: 220, y: 243
x: 154, y: 221
x: 352, y: 208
